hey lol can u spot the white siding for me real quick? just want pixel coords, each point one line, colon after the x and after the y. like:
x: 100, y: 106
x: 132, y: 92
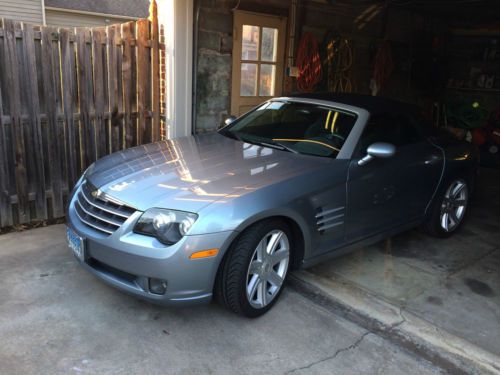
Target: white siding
x: 67, y: 19
x: 22, y: 10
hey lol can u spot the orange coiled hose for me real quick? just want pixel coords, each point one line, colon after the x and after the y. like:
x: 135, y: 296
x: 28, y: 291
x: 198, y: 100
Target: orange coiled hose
x: 309, y: 63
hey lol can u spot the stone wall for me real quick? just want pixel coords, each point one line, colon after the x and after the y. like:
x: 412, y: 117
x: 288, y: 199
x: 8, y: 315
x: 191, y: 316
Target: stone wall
x: 214, y: 64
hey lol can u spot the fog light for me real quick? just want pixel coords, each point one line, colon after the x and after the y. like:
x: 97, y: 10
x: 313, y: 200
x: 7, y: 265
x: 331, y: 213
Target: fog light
x: 157, y: 286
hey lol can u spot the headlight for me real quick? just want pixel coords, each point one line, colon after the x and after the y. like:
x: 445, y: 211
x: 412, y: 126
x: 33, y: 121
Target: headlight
x: 168, y: 226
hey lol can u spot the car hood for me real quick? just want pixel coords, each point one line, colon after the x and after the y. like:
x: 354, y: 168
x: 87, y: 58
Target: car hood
x: 192, y: 172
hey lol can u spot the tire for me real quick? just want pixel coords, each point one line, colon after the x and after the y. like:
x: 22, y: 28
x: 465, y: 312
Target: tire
x: 451, y: 201
x: 249, y: 282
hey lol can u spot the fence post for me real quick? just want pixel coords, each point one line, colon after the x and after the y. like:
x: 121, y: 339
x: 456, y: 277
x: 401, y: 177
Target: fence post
x: 128, y: 30
x: 37, y: 176
x: 51, y: 101
x: 155, y: 71
x: 85, y: 96
x: 17, y: 133
x: 68, y: 92
x: 99, y: 98
x: 5, y: 207
x: 143, y: 80
x: 115, y: 124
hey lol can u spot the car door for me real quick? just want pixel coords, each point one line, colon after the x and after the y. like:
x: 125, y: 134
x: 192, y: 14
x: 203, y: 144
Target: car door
x: 386, y: 193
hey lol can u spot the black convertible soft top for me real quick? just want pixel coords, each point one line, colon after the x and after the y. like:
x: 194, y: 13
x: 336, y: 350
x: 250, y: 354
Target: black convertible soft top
x: 373, y: 104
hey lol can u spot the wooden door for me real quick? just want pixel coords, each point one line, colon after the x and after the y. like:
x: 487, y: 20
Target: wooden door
x: 258, y: 59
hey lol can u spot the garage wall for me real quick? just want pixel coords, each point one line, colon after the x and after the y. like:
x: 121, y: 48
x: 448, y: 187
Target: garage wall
x: 70, y: 19
x: 213, y: 72
x: 408, y: 33
x: 22, y: 10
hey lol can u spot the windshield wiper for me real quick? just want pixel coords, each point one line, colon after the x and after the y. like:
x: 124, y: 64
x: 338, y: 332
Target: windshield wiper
x: 279, y: 146
x: 269, y: 143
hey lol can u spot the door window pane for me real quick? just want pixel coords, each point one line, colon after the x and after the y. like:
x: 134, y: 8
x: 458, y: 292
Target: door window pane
x: 248, y: 80
x: 410, y: 131
x: 385, y: 127
x: 380, y: 128
x: 269, y: 44
x: 250, y: 43
x: 267, y: 79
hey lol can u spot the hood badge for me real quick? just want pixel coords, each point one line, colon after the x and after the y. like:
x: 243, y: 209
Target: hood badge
x: 99, y: 194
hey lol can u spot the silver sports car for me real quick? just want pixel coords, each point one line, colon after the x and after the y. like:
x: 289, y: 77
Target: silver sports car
x: 293, y: 182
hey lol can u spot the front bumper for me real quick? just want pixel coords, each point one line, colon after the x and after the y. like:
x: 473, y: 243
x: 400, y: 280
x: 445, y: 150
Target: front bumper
x: 127, y: 261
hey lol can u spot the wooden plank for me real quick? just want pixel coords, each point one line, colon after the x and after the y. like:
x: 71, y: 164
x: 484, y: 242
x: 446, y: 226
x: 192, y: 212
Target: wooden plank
x: 14, y: 99
x: 119, y: 100
x: 68, y: 90
x: 5, y: 206
x: 85, y: 96
x: 60, y: 131
x: 50, y: 79
x: 143, y: 80
x: 114, y: 123
x: 155, y: 72
x: 98, y: 35
x: 76, y: 114
x: 26, y: 118
x: 36, y: 145
x: 128, y: 30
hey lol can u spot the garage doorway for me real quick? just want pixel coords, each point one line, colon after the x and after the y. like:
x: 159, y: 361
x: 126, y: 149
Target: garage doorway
x: 258, y: 59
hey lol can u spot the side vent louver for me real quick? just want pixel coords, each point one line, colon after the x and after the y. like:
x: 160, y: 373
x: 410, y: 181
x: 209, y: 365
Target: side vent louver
x: 327, y: 219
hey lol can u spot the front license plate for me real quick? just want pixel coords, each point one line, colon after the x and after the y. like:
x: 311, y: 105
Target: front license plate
x: 76, y: 243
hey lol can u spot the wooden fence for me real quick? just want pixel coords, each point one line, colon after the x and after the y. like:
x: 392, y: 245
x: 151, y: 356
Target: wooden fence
x: 67, y: 98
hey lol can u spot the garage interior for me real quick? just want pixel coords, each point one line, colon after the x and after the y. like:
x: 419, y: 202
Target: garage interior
x: 441, y: 55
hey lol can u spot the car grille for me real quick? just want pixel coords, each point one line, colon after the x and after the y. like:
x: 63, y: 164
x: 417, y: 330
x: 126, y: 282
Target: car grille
x: 100, y: 213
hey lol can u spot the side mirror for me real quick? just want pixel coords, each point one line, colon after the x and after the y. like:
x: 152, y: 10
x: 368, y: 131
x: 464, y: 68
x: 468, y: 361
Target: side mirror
x: 229, y: 120
x: 378, y: 150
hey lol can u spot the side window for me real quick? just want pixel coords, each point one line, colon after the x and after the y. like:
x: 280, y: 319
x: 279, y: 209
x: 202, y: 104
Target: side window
x: 409, y: 130
x: 399, y: 130
x: 380, y: 128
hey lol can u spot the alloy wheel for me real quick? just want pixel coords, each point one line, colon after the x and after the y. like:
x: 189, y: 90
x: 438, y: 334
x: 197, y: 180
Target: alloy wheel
x: 454, y: 205
x: 267, y: 269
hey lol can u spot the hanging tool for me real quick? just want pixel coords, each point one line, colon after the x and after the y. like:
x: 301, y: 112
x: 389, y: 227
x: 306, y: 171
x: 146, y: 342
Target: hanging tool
x: 309, y: 64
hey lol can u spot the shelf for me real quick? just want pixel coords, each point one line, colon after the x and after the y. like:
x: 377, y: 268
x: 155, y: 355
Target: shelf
x: 489, y: 91
x: 475, y: 62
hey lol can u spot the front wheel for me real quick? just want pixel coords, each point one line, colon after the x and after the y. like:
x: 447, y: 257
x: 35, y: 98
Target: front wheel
x: 449, y: 209
x: 252, y: 275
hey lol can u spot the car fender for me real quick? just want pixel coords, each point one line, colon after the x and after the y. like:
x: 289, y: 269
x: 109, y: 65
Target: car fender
x: 288, y: 214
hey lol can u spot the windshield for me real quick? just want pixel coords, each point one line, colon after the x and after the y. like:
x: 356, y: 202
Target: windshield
x: 296, y: 127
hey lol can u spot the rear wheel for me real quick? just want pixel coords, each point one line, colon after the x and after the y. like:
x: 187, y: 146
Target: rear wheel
x: 449, y: 208
x: 252, y: 275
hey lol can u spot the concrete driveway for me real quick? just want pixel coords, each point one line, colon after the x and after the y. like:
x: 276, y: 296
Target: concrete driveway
x: 57, y: 318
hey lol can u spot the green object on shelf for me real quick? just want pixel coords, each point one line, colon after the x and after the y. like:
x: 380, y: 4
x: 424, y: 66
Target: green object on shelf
x: 467, y: 115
